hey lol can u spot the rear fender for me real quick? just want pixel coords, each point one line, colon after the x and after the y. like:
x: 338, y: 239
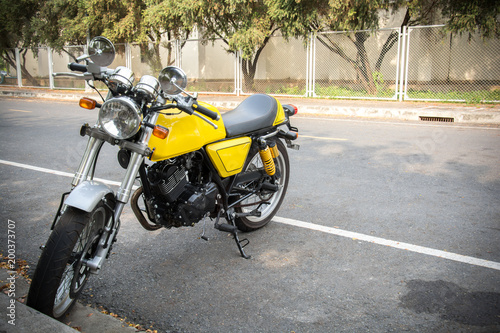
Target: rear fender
x: 87, y: 195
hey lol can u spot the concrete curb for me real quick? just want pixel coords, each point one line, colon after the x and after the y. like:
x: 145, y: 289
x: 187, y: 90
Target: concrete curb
x: 26, y: 319
x: 81, y: 318
x: 409, y: 111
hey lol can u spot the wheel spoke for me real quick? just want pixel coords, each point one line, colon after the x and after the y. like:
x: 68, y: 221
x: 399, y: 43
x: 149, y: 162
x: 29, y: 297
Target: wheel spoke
x: 265, y: 201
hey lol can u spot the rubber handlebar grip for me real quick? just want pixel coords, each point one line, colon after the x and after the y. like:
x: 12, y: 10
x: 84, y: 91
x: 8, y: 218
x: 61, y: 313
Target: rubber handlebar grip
x: 77, y: 67
x: 203, y: 110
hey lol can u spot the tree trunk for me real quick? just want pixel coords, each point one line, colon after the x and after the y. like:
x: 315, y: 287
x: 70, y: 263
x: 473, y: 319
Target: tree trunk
x: 391, y: 40
x: 363, y: 67
x: 248, y: 75
x: 10, y: 59
x: 249, y: 67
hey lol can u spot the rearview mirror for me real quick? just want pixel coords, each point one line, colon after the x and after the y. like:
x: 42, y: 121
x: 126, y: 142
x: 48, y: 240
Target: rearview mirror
x: 173, y: 80
x: 101, y: 51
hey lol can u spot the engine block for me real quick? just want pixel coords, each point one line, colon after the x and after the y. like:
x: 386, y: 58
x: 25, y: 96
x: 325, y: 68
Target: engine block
x: 175, y: 201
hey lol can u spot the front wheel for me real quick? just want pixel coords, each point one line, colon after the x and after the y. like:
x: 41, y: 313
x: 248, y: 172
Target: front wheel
x: 61, y: 272
x: 265, y: 201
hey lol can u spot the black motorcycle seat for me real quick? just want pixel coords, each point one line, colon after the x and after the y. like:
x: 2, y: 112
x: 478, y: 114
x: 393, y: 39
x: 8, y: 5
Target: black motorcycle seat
x: 256, y: 112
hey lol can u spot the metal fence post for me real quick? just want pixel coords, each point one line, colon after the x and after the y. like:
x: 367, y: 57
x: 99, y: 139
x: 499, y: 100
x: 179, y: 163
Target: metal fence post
x: 309, y: 66
x: 313, y: 65
x: 128, y: 56
x: 405, y: 80
x: 308, y: 55
x: 178, y: 52
x: 18, y: 69
x: 402, y: 63
x: 51, y: 68
x: 88, y: 89
x: 237, y: 73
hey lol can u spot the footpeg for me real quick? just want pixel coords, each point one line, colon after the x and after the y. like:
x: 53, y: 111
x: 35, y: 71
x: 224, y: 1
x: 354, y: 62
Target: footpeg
x: 226, y: 228
x: 252, y: 213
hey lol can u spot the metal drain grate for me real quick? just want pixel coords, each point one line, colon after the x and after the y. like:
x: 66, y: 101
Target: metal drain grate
x: 440, y: 119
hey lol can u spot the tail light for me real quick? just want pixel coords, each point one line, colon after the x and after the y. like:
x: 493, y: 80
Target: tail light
x: 290, y: 109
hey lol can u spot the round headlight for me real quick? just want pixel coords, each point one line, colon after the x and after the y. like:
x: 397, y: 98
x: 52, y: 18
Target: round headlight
x: 120, y: 117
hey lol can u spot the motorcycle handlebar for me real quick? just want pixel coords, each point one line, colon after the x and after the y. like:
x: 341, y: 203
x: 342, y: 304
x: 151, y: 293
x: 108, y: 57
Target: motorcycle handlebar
x: 207, y: 112
x: 77, y: 67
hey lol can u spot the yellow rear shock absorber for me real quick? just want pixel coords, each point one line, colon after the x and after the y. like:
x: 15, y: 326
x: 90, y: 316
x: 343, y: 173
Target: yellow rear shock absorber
x: 273, y: 147
x: 267, y: 159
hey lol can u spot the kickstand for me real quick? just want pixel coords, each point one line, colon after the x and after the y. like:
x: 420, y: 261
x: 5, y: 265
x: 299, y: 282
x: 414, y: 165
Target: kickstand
x: 241, y: 244
x: 234, y: 231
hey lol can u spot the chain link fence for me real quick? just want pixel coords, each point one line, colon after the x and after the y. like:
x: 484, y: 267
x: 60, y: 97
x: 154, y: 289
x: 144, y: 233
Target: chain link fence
x: 446, y: 67
x: 208, y: 66
x: 281, y: 69
x: 359, y: 64
x: 419, y: 63
x: 60, y: 62
x: 151, y: 58
x: 8, y: 68
x: 35, y: 73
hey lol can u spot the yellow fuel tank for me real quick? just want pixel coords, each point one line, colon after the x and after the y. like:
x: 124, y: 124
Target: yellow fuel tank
x: 186, y: 134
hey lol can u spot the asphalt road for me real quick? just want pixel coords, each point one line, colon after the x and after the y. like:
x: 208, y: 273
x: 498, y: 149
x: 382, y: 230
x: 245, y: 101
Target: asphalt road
x: 421, y: 202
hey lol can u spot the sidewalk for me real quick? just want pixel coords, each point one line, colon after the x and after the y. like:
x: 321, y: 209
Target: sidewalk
x: 81, y: 318
x: 409, y: 111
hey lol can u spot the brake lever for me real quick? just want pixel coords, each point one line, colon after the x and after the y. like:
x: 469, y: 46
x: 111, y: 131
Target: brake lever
x: 86, y: 76
x: 188, y: 102
x: 205, y: 119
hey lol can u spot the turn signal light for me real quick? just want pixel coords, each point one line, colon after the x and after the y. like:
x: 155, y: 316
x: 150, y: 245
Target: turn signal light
x: 160, y: 132
x: 291, y: 135
x: 87, y: 103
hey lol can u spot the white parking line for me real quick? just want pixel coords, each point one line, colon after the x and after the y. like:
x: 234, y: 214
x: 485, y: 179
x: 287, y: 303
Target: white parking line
x: 16, y: 110
x: 391, y: 243
x: 402, y: 123
x: 333, y: 231
x: 54, y: 172
x: 322, y: 138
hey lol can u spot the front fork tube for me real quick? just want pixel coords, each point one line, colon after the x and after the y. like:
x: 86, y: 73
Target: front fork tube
x: 122, y: 195
x: 88, y: 159
x: 112, y: 227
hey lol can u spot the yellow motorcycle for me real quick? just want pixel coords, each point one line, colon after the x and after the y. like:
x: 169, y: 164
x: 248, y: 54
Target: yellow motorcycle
x: 232, y: 168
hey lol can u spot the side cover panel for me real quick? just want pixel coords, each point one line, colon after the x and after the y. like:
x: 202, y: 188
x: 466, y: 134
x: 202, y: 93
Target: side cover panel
x: 229, y: 156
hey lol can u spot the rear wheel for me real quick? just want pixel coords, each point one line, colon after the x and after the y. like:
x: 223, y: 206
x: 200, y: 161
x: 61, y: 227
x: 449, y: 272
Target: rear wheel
x: 267, y: 202
x: 61, y: 272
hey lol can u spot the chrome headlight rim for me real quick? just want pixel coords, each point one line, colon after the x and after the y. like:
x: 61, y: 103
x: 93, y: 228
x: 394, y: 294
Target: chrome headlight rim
x: 149, y: 87
x: 120, y: 117
x: 122, y: 78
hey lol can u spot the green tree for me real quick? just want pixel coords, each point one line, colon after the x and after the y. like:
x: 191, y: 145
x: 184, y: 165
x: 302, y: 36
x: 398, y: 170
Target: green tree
x: 462, y: 16
x: 16, y: 31
x: 164, y: 21
x: 62, y: 22
x: 243, y: 25
x: 359, y: 19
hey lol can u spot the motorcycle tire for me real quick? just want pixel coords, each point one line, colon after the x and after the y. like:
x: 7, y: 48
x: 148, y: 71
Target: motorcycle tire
x: 267, y: 211
x: 61, y: 274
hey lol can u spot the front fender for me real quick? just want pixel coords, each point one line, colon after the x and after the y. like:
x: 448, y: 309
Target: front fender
x: 87, y: 195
